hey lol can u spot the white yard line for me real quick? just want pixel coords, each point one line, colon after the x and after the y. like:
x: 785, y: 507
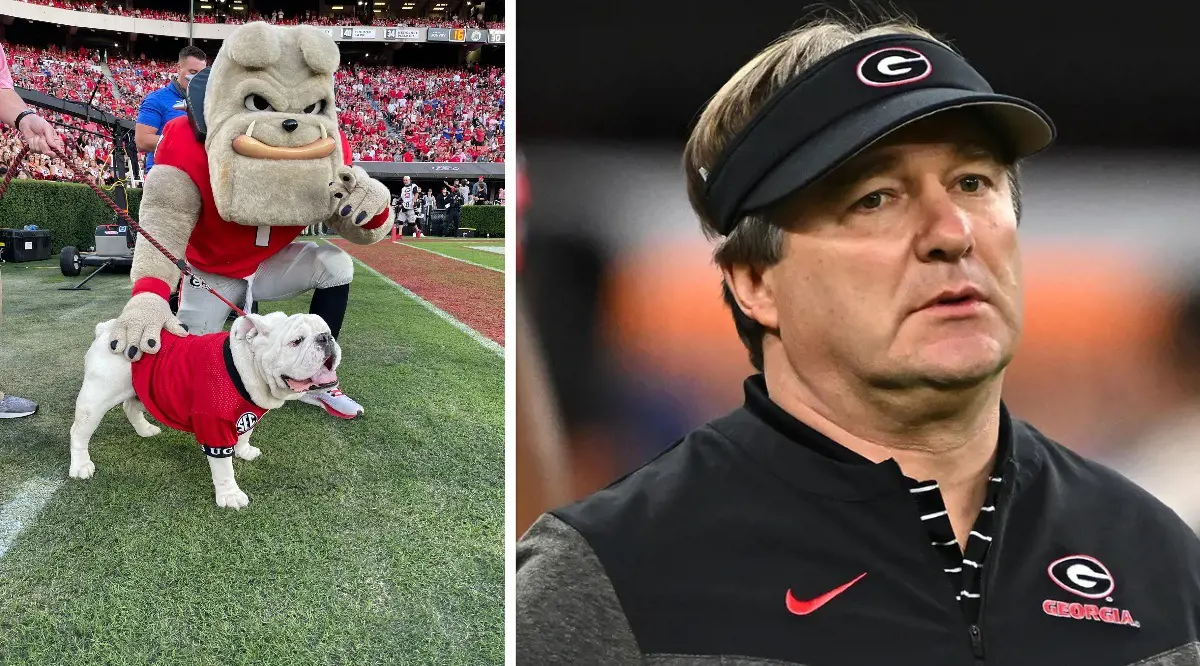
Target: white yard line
x: 424, y: 249
x: 20, y: 512
x: 482, y: 339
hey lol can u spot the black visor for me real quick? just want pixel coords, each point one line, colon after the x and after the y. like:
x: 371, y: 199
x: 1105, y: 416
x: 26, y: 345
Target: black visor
x: 845, y: 103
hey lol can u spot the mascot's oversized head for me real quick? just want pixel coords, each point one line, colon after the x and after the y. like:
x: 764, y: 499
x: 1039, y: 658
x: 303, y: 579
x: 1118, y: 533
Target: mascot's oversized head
x: 270, y: 125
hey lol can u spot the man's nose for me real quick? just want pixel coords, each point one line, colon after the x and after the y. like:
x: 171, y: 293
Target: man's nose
x: 290, y: 125
x: 946, y: 228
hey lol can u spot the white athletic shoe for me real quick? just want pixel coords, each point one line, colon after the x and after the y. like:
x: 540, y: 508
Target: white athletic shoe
x: 335, y: 402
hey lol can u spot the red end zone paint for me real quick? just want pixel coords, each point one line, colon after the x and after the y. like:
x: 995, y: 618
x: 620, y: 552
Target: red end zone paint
x: 470, y: 294
x: 1078, y: 611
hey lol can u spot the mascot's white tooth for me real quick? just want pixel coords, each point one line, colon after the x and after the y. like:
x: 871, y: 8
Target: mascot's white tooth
x: 250, y: 129
x: 324, y: 135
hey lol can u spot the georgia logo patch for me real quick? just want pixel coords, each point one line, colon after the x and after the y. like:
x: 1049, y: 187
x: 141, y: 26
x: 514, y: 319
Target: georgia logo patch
x: 246, y: 423
x: 893, y: 66
x: 1087, y: 577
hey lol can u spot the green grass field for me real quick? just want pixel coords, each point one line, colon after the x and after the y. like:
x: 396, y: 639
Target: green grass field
x: 463, y: 249
x: 374, y: 541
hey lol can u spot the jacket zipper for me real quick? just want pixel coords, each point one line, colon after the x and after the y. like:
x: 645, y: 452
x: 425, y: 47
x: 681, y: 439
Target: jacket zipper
x: 991, y: 565
x: 977, y: 639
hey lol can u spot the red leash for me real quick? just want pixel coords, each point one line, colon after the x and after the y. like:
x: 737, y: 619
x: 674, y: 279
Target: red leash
x: 179, y: 263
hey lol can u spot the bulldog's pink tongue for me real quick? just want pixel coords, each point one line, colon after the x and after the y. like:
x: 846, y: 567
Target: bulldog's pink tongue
x: 324, y: 377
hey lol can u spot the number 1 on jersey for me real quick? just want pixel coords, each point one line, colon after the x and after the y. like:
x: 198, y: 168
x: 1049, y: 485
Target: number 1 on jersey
x: 263, y: 237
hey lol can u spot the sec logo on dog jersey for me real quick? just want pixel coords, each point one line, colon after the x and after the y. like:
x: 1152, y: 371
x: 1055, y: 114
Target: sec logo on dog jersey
x: 246, y: 423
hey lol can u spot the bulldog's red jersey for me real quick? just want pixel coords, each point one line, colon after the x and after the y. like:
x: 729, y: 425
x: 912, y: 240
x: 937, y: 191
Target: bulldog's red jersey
x: 216, y: 245
x: 191, y: 384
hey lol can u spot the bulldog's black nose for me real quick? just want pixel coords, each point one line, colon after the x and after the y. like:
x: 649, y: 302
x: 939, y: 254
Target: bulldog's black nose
x: 290, y: 125
x: 323, y: 339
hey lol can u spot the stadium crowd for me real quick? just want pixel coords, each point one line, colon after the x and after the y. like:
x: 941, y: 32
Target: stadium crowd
x: 389, y: 114
x: 90, y: 149
x: 409, y: 114
x: 279, y: 17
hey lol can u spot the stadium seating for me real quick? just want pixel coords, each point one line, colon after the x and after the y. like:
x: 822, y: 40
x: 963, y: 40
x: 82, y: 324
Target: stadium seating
x: 389, y: 114
x: 278, y: 18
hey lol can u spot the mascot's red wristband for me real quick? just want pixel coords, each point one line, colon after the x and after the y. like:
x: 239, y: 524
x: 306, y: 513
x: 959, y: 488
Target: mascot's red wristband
x: 377, y: 221
x: 154, y: 286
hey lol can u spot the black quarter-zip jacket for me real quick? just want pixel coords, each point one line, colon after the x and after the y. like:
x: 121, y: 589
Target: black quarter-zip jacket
x: 756, y: 540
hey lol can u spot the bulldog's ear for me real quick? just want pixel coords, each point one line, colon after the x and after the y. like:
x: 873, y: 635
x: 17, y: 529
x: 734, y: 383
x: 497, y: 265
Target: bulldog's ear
x: 254, y: 45
x: 320, y: 52
x: 249, y: 327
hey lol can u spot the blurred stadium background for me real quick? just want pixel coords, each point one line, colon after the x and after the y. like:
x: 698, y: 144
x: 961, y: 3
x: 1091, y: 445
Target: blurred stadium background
x: 619, y: 298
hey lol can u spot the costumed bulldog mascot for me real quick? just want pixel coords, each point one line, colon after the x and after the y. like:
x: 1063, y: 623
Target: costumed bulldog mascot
x: 257, y: 159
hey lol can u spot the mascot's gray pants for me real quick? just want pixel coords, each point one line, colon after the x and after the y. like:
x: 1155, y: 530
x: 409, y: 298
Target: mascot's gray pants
x: 295, y: 269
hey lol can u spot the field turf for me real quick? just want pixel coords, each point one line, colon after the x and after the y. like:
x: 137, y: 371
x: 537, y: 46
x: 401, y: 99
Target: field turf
x: 465, y: 249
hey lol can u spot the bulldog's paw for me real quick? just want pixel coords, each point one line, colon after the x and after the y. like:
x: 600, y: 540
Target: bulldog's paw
x: 232, y: 499
x: 83, y: 469
x: 147, y: 430
x: 246, y: 452
x: 356, y: 196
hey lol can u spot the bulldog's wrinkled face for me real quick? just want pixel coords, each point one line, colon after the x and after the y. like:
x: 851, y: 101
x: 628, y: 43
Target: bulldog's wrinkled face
x: 291, y: 354
x: 272, y: 142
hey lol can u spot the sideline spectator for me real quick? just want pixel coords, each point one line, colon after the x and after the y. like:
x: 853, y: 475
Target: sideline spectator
x: 409, y: 194
x: 166, y: 103
x: 455, y: 202
x: 41, y: 137
x: 479, y: 191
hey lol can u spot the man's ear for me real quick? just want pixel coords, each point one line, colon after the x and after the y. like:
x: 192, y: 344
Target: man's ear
x: 249, y: 327
x: 753, y: 294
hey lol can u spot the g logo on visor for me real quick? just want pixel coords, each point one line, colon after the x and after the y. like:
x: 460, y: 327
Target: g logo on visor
x: 893, y: 66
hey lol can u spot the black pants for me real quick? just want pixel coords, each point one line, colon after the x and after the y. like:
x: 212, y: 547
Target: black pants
x: 455, y: 218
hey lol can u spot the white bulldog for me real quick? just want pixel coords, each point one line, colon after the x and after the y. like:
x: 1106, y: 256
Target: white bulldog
x: 215, y: 386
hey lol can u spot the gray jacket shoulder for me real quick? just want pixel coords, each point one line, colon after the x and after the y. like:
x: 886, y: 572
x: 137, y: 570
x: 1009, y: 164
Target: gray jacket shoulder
x: 567, y: 610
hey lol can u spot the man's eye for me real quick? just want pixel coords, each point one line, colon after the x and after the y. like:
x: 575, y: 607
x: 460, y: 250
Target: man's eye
x: 258, y: 103
x: 972, y: 183
x: 870, y: 202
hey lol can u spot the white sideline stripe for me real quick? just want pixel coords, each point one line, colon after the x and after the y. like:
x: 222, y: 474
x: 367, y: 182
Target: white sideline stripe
x: 482, y: 339
x: 446, y: 256
x: 494, y: 249
x: 19, y: 512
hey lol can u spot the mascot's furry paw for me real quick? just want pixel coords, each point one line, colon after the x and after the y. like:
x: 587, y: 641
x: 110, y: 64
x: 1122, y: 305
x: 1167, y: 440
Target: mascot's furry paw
x: 140, y: 327
x: 358, y: 235
x: 357, y: 197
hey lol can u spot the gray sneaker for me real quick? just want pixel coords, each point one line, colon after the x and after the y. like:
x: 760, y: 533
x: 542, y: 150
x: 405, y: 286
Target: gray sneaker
x: 12, y: 407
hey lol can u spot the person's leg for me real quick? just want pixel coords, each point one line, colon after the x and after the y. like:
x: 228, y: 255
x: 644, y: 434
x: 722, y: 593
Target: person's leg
x: 327, y: 271
x: 200, y: 311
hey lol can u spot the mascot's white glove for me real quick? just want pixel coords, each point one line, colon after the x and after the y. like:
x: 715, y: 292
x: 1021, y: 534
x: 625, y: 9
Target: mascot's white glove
x: 357, y: 197
x: 140, y: 326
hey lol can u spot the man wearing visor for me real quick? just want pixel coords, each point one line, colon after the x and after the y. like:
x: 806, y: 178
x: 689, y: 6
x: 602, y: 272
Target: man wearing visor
x: 873, y: 502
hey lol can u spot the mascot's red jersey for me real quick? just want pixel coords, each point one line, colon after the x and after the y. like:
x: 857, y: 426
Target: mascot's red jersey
x: 192, y: 385
x: 216, y: 245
